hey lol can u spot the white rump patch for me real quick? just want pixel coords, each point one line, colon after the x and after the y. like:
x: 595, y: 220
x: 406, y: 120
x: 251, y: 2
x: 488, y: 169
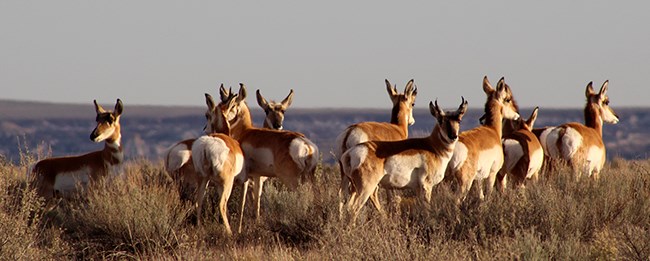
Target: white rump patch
x: 177, y: 156
x: 513, y: 153
x: 300, y: 151
x: 357, y: 155
x: 547, y: 139
x: 355, y: 136
x: 209, y: 153
x: 571, y: 142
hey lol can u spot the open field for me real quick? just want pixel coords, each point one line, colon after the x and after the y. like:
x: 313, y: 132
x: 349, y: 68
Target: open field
x: 140, y: 216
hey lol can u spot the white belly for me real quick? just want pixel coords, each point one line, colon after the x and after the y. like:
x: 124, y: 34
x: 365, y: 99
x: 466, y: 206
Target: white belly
x: 489, y: 161
x: 402, y: 171
x: 68, y: 181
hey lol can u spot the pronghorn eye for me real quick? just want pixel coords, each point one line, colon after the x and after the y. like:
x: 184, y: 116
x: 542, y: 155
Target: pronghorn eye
x: 606, y: 102
x: 413, y: 104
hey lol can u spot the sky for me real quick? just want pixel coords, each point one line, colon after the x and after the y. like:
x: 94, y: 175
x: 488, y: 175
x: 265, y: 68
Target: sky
x: 334, y: 54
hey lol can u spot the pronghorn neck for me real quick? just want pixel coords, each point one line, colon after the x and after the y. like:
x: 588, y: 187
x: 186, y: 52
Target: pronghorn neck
x: 399, y: 117
x: 112, y: 152
x: 438, y: 137
x: 243, y: 121
x: 493, y: 117
x: 593, y: 118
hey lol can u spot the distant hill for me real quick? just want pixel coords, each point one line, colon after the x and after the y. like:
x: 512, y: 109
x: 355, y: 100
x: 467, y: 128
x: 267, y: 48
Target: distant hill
x: 63, y: 129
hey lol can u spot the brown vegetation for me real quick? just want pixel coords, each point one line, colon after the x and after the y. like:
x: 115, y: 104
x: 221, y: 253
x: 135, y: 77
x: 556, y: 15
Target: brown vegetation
x: 140, y: 216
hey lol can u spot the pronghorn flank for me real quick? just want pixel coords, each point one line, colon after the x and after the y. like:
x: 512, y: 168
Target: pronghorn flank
x: 397, y: 129
x: 218, y: 158
x: 287, y: 155
x: 417, y: 163
x: 60, y: 175
x: 522, y: 151
x: 581, y: 145
x: 479, y: 153
x: 178, y: 158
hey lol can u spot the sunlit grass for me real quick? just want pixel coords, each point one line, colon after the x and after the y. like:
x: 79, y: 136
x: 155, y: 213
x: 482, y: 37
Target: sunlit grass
x: 140, y: 215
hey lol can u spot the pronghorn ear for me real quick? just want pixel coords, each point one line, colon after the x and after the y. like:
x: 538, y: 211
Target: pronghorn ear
x: 487, y: 87
x: 287, y: 101
x: 261, y: 101
x: 223, y: 93
x: 118, y: 108
x: 533, y: 117
x: 435, y: 110
x: 98, y: 108
x: 242, y: 92
x: 392, y: 92
x: 410, y: 88
x: 603, y: 89
x: 590, y: 90
x: 462, y: 108
x: 209, y: 101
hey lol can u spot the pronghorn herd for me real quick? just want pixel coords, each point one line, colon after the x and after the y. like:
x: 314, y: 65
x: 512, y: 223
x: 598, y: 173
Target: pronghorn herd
x: 370, y: 154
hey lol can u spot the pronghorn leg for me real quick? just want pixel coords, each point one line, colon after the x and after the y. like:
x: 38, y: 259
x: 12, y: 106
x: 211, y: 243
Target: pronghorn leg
x: 374, y: 198
x: 226, y: 189
x: 361, y: 199
x: 198, y: 201
x: 258, y: 184
x: 490, y: 182
x: 344, y: 190
x: 502, y: 181
x: 243, y: 204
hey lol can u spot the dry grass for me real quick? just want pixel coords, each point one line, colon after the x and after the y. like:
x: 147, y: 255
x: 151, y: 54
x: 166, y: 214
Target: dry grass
x: 140, y: 216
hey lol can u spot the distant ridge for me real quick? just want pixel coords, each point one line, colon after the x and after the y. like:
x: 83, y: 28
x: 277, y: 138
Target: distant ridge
x: 34, y: 110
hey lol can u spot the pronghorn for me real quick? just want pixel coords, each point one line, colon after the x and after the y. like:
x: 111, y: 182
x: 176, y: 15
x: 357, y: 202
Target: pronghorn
x: 522, y: 151
x: 218, y: 158
x: 178, y: 158
x: 479, y: 153
x: 274, y: 111
x: 417, y: 163
x: 582, y: 145
x: 397, y: 129
x: 59, y: 175
x: 287, y: 155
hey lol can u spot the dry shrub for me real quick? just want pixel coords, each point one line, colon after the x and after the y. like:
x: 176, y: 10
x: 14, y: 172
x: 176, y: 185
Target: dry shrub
x: 136, y: 214
x: 23, y: 233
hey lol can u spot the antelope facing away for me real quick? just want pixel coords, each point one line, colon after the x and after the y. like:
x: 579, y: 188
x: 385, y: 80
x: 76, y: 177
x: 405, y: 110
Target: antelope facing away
x: 522, y: 151
x: 417, y: 163
x: 57, y: 176
x: 479, y: 153
x: 397, y: 129
x: 581, y: 145
x: 287, y: 155
x: 218, y: 158
x: 178, y: 158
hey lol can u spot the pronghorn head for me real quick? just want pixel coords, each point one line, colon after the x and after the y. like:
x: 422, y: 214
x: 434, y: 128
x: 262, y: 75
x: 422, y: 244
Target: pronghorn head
x: 274, y: 110
x: 601, y: 101
x: 108, y: 123
x: 519, y: 124
x: 403, y: 101
x: 499, y: 99
x: 240, y: 107
x: 216, y: 114
x: 448, y: 122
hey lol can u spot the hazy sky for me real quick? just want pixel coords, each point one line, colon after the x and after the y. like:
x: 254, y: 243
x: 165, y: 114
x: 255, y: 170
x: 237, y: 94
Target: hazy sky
x: 332, y: 53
